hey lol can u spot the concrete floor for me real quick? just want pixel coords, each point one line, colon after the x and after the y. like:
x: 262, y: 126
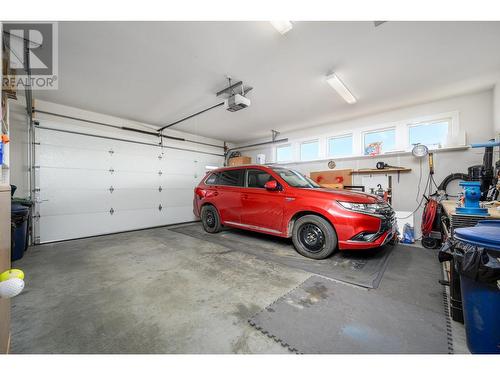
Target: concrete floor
x: 151, y: 291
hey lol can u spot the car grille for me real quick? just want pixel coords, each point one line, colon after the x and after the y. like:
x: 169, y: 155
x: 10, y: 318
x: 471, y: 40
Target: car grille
x: 388, y: 219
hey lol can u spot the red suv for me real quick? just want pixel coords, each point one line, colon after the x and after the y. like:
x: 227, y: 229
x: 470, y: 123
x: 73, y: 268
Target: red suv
x: 284, y: 203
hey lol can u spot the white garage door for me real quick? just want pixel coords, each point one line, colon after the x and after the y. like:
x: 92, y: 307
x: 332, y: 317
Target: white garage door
x: 88, y: 186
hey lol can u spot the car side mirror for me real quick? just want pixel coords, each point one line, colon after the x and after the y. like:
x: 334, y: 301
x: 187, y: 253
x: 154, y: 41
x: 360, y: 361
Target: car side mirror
x: 272, y: 185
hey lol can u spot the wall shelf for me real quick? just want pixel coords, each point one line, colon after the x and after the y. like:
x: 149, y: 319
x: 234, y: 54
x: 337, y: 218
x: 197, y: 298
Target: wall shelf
x: 381, y: 171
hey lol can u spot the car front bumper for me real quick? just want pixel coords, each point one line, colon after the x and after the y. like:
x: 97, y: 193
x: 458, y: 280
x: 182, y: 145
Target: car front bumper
x: 387, y: 230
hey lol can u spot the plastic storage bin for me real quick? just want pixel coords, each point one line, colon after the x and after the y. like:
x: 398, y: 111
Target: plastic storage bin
x: 477, y: 260
x: 19, y: 220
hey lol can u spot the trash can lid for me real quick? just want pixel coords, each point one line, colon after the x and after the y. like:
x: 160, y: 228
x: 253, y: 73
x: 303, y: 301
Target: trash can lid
x: 485, y: 234
x: 17, y: 208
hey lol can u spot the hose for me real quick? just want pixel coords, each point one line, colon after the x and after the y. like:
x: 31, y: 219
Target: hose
x: 428, y: 216
x: 454, y: 176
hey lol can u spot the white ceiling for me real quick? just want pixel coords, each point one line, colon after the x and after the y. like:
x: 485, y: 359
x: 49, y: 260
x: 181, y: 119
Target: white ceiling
x: 158, y: 72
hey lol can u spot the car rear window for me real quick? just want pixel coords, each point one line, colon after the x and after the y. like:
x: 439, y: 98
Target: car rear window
x: 233, y: 177
x: 212, y: 179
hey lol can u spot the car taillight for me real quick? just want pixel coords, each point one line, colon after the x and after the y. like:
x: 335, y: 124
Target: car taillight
x: 200, y: 193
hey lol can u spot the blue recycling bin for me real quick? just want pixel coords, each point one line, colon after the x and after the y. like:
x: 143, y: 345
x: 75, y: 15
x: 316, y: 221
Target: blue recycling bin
x: 478, y: 264
x: 19, y: 232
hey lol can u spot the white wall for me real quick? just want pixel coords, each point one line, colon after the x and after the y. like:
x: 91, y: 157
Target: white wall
x: 19, y: 134
x: 496, y: 109
x: 475, y: 118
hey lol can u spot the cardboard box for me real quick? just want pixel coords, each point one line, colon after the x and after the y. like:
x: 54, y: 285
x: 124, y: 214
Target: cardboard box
x: 240, y: 160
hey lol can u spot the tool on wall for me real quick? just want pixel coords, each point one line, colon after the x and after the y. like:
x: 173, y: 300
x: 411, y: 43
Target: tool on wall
x: 382, y: 165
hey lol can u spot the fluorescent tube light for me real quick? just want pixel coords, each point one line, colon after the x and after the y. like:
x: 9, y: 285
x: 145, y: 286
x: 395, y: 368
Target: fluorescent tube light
x: 341, y: 89
x: 282, y: 26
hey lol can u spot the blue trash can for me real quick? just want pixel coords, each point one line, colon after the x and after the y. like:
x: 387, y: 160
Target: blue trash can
x: 477, y: 258
x: 19, y: 221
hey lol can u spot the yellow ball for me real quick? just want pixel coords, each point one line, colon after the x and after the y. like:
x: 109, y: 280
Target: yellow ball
x: 11, y: 274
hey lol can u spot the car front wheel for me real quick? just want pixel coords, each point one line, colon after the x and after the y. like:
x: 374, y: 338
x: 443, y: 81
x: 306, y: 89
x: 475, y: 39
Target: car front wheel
x: 314, y: 237
x: 210, y: 219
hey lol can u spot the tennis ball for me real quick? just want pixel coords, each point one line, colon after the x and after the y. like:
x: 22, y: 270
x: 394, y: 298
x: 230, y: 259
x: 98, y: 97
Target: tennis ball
x: 12, y: 273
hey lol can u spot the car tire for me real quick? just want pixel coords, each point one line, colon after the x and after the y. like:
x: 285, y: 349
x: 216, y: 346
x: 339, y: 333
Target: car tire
x: 210, y: 219
x: 314, y: 237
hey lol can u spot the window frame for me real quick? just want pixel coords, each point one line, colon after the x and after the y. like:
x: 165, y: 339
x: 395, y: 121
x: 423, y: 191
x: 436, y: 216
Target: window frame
x: 315, y: 140
x: 456, y: 137
x: 449, y: 120
x: 283, y: 146
x: 379, y: 130
x: 328, y: 154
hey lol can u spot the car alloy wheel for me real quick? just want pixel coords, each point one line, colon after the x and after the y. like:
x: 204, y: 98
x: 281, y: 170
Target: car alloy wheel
x: 311, y: 237
x: 210, y: 219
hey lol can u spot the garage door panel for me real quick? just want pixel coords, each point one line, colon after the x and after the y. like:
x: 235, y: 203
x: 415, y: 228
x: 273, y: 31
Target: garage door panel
x: 61, y: 139
x: 181, y: 167
x: 63, y: 156
x: 130, y: 162
x: 90, y: 186
x: 176, y: 181
x: 64, y: 227
x: 136, y: 198
x: 179, y: 197
x: 74, y: 201
x: 64, y: 178
x: 135, y: 179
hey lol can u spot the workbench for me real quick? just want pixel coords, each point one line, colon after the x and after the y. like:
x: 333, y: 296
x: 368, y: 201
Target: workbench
x: 461, y: 220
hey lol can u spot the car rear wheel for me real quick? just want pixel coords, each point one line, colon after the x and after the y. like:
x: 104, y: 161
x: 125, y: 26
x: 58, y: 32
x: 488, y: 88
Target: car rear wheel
x: 314, y: 237
x: 210, y: 219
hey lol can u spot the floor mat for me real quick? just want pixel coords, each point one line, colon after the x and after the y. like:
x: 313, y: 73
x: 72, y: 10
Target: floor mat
x: 362, y: 268
x: 324, y: 316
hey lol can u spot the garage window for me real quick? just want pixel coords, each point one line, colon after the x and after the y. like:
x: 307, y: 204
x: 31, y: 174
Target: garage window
x: 309, y: 150
x: 232, y: 177
x: 379, y: 141
x: 284, y: 153
x: 432, y: 134
x: 340, y: 146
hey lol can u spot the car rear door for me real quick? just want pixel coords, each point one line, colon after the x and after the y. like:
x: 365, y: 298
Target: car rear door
x: 261, y: 208
x: 228, y: 190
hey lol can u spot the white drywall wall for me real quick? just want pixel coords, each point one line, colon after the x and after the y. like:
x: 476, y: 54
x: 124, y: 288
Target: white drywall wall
x: 496, y: 109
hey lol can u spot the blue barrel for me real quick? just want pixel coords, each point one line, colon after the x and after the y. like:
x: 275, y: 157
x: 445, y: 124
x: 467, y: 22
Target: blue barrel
x: 479, y: 268
x: 19, y: 233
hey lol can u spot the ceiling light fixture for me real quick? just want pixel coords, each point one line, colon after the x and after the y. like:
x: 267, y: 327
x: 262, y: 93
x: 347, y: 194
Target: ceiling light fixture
x: 282, y: 26
x: 341, y: 89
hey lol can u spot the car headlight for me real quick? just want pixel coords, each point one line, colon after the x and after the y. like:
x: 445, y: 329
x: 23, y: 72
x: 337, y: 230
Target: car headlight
x: 367, y: 208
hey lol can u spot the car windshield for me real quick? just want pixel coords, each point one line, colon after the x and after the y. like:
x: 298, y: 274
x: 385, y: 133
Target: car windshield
x: 295, y: 179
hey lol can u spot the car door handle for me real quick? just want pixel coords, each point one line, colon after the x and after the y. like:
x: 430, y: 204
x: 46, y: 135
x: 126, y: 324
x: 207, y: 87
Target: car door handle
x: 244, y: 196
